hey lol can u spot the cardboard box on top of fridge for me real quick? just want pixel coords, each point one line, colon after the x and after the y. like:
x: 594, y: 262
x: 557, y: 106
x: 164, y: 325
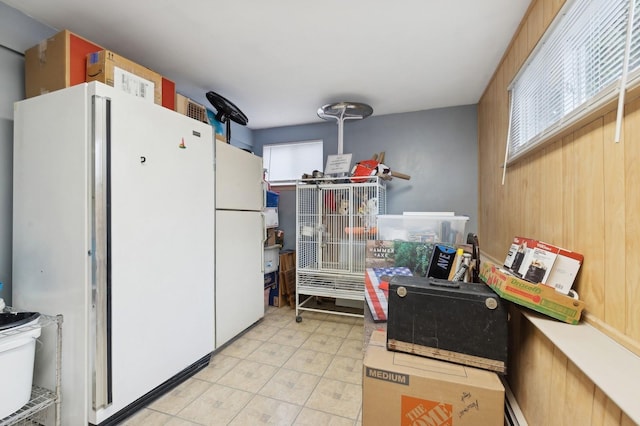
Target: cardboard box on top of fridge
x: 116, y: 71
x: 61, y: 61
x: 191, y: 108
x: 404, y: 389
x: 539, y: 297
x: 57, y: 62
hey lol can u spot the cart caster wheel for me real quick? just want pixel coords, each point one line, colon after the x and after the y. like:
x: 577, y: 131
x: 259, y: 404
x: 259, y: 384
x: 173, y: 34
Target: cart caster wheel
x: 298, y: 318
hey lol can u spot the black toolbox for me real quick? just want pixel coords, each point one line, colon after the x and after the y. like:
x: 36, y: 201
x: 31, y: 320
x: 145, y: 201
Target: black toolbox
x: 460, y: 322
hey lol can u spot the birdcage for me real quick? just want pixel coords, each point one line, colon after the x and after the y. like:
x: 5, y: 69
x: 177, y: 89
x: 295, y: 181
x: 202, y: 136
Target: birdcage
x: 334, y: 221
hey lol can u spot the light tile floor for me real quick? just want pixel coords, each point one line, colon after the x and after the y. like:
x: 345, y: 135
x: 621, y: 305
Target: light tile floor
x: 279, y: 373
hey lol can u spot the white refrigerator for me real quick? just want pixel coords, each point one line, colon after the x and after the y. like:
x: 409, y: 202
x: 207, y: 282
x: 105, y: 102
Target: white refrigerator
x: 240, y: 235
x: 113, y: 227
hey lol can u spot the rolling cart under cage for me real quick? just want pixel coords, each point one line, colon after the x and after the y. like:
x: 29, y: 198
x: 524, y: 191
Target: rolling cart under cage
x: 334, y: 222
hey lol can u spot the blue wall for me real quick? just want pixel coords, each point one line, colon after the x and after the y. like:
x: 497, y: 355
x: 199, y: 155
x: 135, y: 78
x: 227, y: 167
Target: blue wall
x: 18, y: 32
x: 437, y: 148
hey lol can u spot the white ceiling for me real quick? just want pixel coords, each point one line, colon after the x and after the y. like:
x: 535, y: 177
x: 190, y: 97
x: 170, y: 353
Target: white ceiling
x: 280, y: 60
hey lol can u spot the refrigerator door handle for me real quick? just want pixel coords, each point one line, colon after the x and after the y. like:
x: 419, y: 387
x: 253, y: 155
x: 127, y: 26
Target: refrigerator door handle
x: 101, y: 265
x: 264, y: 238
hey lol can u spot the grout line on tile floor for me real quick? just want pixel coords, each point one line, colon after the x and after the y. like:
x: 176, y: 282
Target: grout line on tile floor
x: 284, y: 320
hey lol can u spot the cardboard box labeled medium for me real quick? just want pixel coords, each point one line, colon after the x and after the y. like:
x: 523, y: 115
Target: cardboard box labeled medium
x: 116, y: 71
x: 60, y: 61
x: 539, y: 297
x: 402, y: 389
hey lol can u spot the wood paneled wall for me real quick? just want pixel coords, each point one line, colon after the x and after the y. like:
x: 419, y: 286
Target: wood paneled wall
x: 582, y: 192
x: 549, y: 388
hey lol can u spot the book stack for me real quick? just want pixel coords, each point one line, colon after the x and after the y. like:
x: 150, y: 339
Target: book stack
x: 539, y: 262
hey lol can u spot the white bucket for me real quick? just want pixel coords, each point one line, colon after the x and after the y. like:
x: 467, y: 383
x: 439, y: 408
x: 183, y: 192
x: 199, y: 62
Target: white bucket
x: 17, y: 356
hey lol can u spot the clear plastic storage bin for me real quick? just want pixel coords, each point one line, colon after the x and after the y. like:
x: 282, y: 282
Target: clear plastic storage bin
x: 423, y: 228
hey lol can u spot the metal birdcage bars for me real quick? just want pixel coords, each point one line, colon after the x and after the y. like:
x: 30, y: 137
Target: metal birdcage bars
x: 334, y: 220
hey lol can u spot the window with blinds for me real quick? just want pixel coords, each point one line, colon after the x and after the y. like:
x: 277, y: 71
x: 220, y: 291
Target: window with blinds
x: 287, y: 162
x: 576, y: 68
x: 634, y: 56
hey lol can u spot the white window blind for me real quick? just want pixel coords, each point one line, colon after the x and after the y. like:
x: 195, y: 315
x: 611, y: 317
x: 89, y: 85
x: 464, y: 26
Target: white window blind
x: 574, y: 69
x: 287, y: 162
x: 634, y: 57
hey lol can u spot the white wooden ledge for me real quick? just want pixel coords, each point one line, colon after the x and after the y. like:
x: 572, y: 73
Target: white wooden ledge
x: 609, y: 365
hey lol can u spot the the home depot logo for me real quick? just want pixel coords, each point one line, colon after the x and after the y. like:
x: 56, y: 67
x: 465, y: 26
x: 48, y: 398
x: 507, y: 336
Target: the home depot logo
x: 420, y: 412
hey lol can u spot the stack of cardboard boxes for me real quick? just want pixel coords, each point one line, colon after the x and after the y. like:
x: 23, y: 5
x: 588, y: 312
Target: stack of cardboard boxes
x: 66, y: 59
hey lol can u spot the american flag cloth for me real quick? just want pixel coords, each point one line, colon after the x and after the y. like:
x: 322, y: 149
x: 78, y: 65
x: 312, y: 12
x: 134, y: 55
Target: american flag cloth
x: 375, y: 296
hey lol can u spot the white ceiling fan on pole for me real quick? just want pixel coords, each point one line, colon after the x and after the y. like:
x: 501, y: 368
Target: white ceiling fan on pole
x: 342, y: 111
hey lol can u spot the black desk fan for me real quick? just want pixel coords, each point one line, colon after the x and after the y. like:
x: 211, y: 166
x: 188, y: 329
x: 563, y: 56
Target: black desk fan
x: 226, y: 112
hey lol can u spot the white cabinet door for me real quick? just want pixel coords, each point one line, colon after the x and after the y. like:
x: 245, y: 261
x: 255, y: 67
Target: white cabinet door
x: 239, y: 184
x: 239, y: 272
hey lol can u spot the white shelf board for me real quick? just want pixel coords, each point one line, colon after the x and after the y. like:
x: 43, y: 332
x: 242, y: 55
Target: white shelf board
x: 609, y: 365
